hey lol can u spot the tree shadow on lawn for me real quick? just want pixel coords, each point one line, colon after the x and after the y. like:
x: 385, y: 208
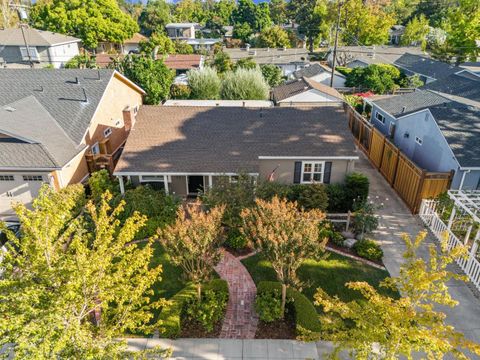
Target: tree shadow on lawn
x: 330, y: 274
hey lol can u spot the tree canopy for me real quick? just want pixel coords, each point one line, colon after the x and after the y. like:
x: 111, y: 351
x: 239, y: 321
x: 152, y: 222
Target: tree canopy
x: 273, y: 37
x: 155, y: 15
x: 244, y: 84
x: 90, y: 20
x: 379, y: 78
x: 204, y: 83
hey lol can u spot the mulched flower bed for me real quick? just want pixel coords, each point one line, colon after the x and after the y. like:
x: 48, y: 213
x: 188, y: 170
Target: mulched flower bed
x: 279, y: 329
x: 351, y: 252
x: 193, y: 329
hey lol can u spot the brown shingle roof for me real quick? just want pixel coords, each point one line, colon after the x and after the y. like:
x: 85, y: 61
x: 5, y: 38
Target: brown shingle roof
x: 230, y: 139
x: 187, y: 61
x: 299, y: 86
x: 135, y: 39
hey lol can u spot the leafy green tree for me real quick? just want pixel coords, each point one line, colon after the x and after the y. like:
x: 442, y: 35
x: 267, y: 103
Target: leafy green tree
x: 262, y: 16
x: 180, y: 91
x: 81, y: 61
x: 379, y: 78
x: 242, y: 31
x: 193, y: 242
x: 245, y: 13
x: 182, y: 47
x: 274, y: 37
x: 286, y: 237
x: 204, y: 83
x: 435, y: 11
x: 222, y: 11
x: 278, y: 11
x: 272, y: 74
x: 244, y: 84
x: 310, y: 16
x: 416, y: 32
x: 246, y: 63
x: 158, y: 42
x: 402, y: 10
x: 189, y: 11
x: 155, y: 15
x: 401, y: 327
x: 413, y: 81
x: 69, y: 290
x: 134, y: 9
x: 222, y: 62
x: 90, y: 20
x: 100, y: 182
x: 151, y: 75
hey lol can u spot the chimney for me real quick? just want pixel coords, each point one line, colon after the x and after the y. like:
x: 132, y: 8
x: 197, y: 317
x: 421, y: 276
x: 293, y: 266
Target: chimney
x: 128, y: 118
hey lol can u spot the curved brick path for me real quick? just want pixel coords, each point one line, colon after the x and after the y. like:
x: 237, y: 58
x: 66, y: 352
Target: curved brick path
x: 240, y: 320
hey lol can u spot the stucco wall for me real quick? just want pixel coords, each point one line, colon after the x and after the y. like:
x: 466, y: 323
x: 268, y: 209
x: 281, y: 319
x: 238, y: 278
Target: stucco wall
x: 285, y: 170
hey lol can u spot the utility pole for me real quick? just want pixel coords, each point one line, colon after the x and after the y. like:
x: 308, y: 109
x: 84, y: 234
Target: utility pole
x: 336, y: 43
x: 22, y: 15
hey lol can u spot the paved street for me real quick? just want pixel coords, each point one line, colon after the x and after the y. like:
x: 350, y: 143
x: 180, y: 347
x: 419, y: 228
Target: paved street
x: 397, y: 219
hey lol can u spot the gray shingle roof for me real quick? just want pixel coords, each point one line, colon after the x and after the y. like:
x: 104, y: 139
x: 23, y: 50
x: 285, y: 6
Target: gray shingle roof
x: 57, y: 91
x: 465, y: 85
x: 309, y: 71
x: 28, y: 120
x: 14, y: 37
x: 425, y: 66
x: 404, y: 104
x: 24, y: 155
x: 460, y: 125
x: 295, y: 87
x: 227, y: 139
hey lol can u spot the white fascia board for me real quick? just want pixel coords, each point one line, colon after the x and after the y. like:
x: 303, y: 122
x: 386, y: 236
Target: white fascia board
x: 141, y: 173
x: 308, y: 157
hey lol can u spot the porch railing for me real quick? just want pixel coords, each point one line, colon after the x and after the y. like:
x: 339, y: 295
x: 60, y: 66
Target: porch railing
x: 469, y: 264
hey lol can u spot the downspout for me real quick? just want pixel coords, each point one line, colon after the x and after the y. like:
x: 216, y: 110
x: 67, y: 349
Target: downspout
x: 465, y: 172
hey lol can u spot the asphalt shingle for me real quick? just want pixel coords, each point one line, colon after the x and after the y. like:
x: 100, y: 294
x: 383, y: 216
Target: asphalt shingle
x: 404, y: 104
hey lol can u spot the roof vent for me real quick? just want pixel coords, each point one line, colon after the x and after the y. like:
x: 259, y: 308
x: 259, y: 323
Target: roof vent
x: 85, y: 100
x: 9, y: 109
x: 403, y: 109
x: 40, y: 89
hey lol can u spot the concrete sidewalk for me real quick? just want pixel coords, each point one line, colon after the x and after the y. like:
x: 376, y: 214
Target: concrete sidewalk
x: 233, y: 349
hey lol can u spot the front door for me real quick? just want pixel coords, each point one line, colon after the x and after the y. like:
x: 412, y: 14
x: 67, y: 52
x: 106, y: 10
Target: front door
x: 195, y: 184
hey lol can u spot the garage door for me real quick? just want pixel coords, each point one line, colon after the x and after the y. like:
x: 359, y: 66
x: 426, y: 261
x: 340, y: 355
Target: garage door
x: 18, y: 188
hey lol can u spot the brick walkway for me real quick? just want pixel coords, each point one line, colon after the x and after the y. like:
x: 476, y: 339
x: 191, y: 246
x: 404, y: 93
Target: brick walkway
x: 240, y: 320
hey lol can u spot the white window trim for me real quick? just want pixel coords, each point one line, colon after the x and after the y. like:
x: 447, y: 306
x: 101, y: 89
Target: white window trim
x: 379, y: 120
x: 312, y: 172
x: 32, y: 50
x: 107, y: 132
x: 418, y: 140
x: 95, y: 146
x: 157, y: 178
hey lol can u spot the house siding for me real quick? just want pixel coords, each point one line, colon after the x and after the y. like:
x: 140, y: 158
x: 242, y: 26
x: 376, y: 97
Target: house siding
x: 384, y: 128
x: 57, y: 55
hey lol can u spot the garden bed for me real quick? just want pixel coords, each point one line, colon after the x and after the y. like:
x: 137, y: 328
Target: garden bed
x: 348, y: 251
x: 280, y: 329
x: 193, y: 329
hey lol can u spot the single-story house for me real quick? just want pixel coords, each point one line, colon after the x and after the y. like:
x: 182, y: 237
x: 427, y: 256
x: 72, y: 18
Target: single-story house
x: 362, y: 56
x: 57, y: 126
x: 186, y: 32
x: 428, y: 69
x: 184, y: 150
x: 129, y: 46
x: 211, y: 103
x: 41, y: 47
x: 304, y: 91
x: 289, y: 60
x: 320, y: 74
x: 438, y: 134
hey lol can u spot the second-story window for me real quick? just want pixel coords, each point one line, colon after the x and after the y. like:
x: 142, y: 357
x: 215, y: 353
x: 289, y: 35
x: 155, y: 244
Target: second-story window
x: 107, y: 132
x: 380, y: 117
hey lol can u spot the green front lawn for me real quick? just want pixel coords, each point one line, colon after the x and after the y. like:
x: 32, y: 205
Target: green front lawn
x: 330, y: 274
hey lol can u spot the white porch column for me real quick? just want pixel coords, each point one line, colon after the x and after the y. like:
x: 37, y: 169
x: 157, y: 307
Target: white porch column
x: 122, y: 187
x: 474, y: 248
x: 210, y: 181
x: 452, y: 216
x: 165, y: 182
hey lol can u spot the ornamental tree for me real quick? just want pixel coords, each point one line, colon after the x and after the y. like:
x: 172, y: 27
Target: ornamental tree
x: 204, y: 83
x: 72, y: 285
x: 90, y: 20
x: 286, y: 237
x: 193, y: 242
x: 416, y: 31
x: 400, y: 327
x: 244, y: 84
x: 379, y: 78
x: 274, y: 37
x: 272, y: 74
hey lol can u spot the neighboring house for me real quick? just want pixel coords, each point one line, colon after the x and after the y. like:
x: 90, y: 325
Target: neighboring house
x: 185, y: 149
x: 362, y: 56
x: 318, y: 73
x: 224, y: 103
x: 395, y: 34
x: 186, y: 32
x: 129, y: 46
x: 181, y: 64
x: 57, y: 126
x: 304, y: 91
x: 42, y: 47
x: 428, y: 69
x: 473, y: 66
x: 436, y: 133
x: 289, y: 60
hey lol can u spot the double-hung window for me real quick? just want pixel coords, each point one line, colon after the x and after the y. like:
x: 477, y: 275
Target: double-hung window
x: 32, y: 50
x: 379, y: 117
x: 312, y: 171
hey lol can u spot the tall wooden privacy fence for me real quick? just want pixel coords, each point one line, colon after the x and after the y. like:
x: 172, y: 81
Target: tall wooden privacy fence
x: 411, y: 182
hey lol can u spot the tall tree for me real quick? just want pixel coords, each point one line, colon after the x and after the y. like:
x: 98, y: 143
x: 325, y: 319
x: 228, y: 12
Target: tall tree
x: 402, y: 10
x: 278, y: 11
x: 435, y: 10
x: 416, y: 32
x: 311, y: 18
x: 90, y: 20
x: 155, y: 15
x: 272, y: 74
x: 157, y: 43
x: 285, y: 236
x: 256, y: 16
x: 134, y: 9
x: 399, y: 328
x: 69, y: 289
x: 151, y: 75
x: 190, y: 11
x: 193, y: 242
x: 222, y: 11
x: 273, y: 37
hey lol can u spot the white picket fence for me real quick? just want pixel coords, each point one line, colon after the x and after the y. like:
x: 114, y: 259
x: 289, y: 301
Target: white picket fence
x: 470, y: 265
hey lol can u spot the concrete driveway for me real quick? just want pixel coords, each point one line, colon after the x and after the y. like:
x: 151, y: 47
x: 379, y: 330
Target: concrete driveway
x: 395, y: 219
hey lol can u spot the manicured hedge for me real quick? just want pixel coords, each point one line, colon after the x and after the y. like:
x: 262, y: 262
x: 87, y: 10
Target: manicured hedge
x: 306, y: 316
x: 170, y: 316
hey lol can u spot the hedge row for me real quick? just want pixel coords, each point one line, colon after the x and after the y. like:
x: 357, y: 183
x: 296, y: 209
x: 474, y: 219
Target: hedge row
x: 306, y: 316
x: 170, y: 316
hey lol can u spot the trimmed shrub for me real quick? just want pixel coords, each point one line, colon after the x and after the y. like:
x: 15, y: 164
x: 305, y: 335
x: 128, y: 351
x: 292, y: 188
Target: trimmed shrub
x: 307, y: 321
x: 368, y: 249
x: 268, y: 305
x: 337, y: 238
x: 266, y: 190
x: 337, y: 197
x: 356, y: 188
x: 171, y: 314
x: 208, y: 311
x: 310, y: 196
x: 204, y: 83
x: 235, y: 239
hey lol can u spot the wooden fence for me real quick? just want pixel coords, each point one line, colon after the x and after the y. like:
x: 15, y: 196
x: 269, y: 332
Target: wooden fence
x: 411, y: 182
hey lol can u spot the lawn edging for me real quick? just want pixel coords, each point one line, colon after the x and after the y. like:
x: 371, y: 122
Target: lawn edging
x: 170, y: 316
x: 307, y: 322
x: 354, y: 257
